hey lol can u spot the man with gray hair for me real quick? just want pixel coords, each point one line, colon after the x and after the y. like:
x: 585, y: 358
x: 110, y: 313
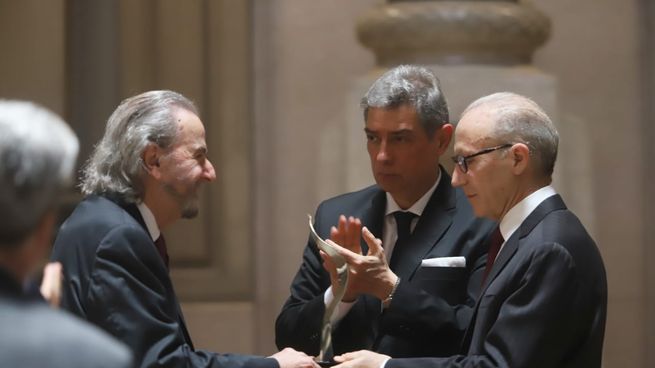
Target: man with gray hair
x: 544, y: 297
x: 142, y: 177
x: 415, y: 297
x: 37, y: 158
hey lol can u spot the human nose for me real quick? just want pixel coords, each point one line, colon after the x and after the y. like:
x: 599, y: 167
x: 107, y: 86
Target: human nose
x: 209, y: 173
x: 383, y: 152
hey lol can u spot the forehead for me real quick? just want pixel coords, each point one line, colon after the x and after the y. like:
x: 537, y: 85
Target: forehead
x: 473, y: 128
x: 395, y: 118
x: 189, y: 128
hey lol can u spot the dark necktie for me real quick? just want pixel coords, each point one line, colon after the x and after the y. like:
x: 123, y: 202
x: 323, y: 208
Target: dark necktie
x: 160, y: 243
x: 403, y: 227
x: 495, y: 241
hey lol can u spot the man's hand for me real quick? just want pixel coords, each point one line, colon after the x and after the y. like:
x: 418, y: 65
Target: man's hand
x: 369, y: 274
x: 361, y: 359
x: 51, y: 284
x: 347, y: 234
x: 290, y: 358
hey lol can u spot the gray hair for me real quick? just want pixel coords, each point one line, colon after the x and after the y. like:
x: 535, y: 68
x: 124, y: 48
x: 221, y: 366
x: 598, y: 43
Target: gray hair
x: 116, y: 166
x: 518, y: 119
x: 413, y: 85
x: 37, y: 159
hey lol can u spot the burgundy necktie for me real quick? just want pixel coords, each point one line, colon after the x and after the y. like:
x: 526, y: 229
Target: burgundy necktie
x: 160, y: 243
x: 495, y: 241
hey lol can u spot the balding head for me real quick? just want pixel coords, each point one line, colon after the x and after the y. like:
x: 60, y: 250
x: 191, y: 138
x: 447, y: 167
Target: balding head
x: 518, y: 119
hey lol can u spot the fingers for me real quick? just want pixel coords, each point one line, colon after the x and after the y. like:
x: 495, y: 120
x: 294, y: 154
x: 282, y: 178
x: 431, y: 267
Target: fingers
x: 290, y: 358
x: 337, y: 234
x: 328, y: 265
x: 344, y: 359
x: 353, y: 234
x: 345, y: 253
x: 347, y: 233
x: 374, y: 244
x: 51, y: 283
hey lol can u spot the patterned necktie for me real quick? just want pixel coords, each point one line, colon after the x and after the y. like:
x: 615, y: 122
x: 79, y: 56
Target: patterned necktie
x: 160, y: 243
x: 403, y: 227
x: 495, y: 241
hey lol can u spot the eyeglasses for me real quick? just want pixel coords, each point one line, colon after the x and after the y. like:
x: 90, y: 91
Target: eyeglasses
x: 462, y: 161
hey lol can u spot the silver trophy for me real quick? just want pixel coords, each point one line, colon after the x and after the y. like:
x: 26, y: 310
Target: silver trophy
x: 337, y: 290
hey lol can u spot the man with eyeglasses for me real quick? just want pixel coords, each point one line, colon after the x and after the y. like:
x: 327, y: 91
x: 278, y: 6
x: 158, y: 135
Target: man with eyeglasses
x: 414, y: 298
x: 544, y: 297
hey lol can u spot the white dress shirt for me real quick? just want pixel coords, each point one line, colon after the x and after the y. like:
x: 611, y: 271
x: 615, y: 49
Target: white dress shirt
x: 149, y: 219
x: 517, y: 214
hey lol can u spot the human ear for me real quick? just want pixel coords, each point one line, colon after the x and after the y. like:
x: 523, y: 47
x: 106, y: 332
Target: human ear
x: 444, y: 134
x: 520, y: 155
x: 150, y: 159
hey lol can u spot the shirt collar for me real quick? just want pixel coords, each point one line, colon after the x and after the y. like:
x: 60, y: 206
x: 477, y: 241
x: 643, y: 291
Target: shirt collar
x: 517, y: 214
x: 418, y: 206
x: 149, y: 219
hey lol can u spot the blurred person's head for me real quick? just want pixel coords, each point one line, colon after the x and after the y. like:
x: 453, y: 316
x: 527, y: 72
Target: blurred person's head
x: 37, y: 158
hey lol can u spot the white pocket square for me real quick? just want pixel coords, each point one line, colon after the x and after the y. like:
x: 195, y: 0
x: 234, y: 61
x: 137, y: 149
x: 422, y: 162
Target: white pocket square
x: 444, y: 262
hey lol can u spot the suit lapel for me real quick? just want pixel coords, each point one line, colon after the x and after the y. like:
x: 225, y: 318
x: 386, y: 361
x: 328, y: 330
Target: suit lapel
x: 136, y: 214
x: 552, y: 203
x: 433, y: 223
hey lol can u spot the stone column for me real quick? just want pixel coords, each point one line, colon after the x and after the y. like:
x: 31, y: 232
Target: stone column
x: 476, y: 48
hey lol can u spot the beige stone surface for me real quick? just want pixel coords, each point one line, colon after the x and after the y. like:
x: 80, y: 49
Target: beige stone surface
x: 453, y: 32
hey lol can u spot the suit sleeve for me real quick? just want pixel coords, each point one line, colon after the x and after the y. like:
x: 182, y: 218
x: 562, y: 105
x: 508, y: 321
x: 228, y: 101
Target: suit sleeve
x: 537, y: 321
x: 130, y: 297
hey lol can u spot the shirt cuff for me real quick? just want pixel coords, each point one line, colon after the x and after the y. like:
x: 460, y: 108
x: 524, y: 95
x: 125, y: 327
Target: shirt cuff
x: 342, y: 308
x: 384, y: 363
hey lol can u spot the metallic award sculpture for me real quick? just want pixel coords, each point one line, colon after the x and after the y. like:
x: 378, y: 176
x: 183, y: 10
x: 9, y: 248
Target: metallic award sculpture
x: 337, y: 291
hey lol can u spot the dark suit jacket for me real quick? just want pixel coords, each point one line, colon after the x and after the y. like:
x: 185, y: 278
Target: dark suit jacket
x: 431, y: 307
x: 545, y: 302
x: 36, y: 336
x: 115, y: 278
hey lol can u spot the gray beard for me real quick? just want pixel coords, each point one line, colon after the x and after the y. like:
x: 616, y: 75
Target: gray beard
x: 189, y: 203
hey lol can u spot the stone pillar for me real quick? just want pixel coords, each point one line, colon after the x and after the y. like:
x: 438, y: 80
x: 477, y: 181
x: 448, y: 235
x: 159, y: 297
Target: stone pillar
x: 476, y: 48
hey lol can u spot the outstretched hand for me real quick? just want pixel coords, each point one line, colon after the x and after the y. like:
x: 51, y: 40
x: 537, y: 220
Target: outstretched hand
x: 290, y: 358
x: 361, y: 359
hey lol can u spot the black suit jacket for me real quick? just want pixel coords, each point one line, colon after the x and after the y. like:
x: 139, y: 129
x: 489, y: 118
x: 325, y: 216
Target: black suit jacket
x: 33, y: 335
x: 116, y: 279
x: 431, y: 307
x: 545, y: 302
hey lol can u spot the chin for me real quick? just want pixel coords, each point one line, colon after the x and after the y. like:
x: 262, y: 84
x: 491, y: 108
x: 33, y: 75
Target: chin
x: 189, y: 213
x: 190, y: 209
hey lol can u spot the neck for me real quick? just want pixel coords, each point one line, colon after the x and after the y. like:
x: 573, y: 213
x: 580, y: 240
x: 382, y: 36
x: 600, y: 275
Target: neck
x: 163, y: 214
x: 407, y: 200
x: 520, y: 194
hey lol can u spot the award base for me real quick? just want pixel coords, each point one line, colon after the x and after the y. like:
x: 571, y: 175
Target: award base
x: 324, y: 363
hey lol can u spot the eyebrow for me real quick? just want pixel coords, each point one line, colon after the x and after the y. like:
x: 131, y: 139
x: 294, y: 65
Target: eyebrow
x: 200, y: 149
x: 396, y: 132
